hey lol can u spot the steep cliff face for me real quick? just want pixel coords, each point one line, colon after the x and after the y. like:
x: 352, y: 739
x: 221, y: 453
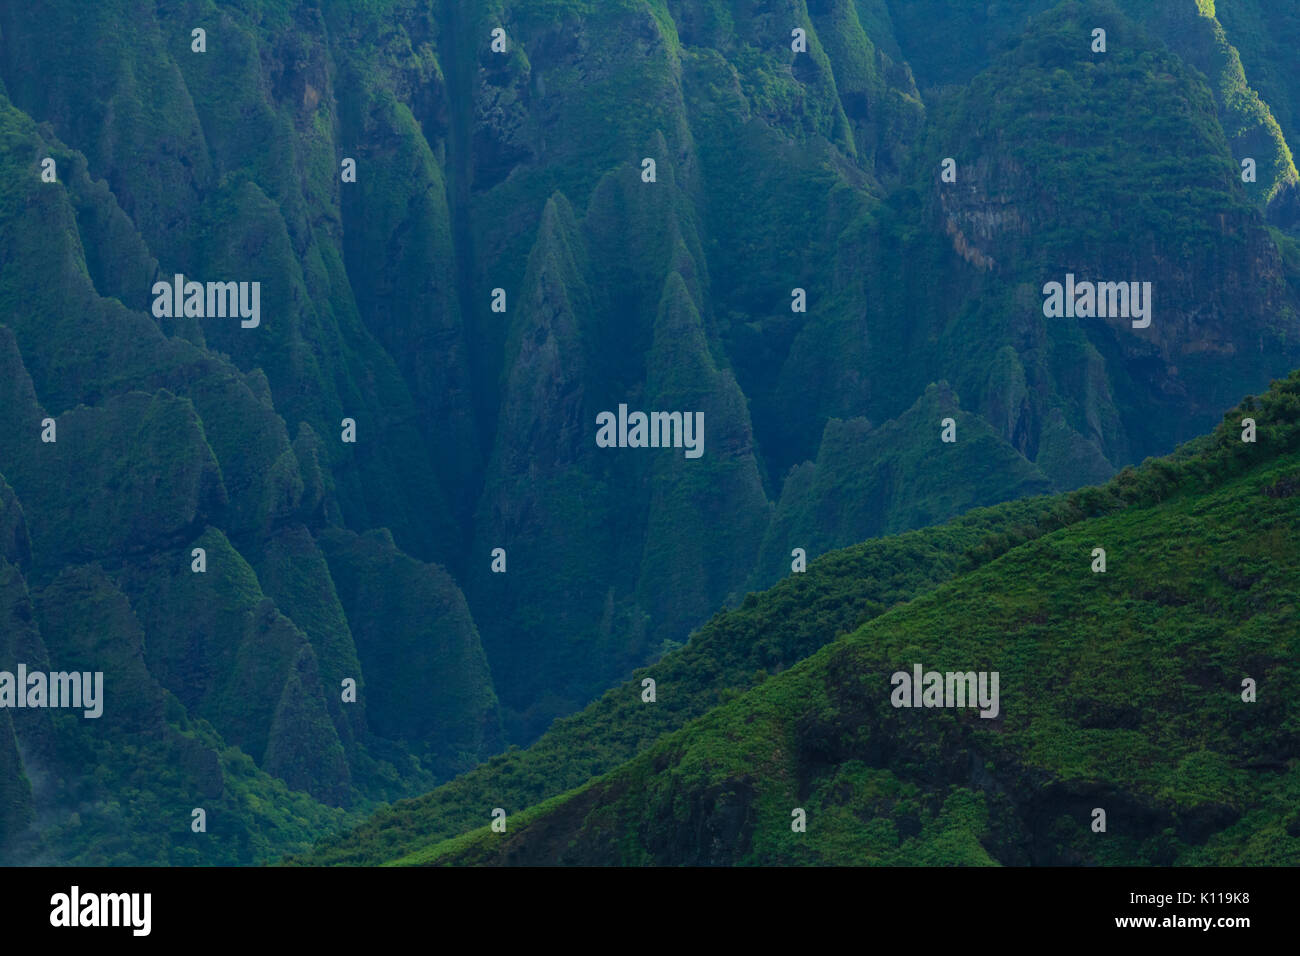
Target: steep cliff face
x: 1049, y: 188
x: 163, y: 497
x: 1107, y: 166
x: 620, y: 304
x: 226, y: 163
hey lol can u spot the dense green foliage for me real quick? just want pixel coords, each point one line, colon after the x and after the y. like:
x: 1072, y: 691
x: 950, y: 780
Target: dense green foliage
x: 330, y: 562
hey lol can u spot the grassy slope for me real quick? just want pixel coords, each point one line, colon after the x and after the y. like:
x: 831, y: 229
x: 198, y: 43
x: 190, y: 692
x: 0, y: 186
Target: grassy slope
x: 1118, y: 691
x: 738, y: 649
x: 733, y: 652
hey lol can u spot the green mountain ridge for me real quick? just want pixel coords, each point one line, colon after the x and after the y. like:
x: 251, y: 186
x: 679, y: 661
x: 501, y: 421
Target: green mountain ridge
x: 370, y: 561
